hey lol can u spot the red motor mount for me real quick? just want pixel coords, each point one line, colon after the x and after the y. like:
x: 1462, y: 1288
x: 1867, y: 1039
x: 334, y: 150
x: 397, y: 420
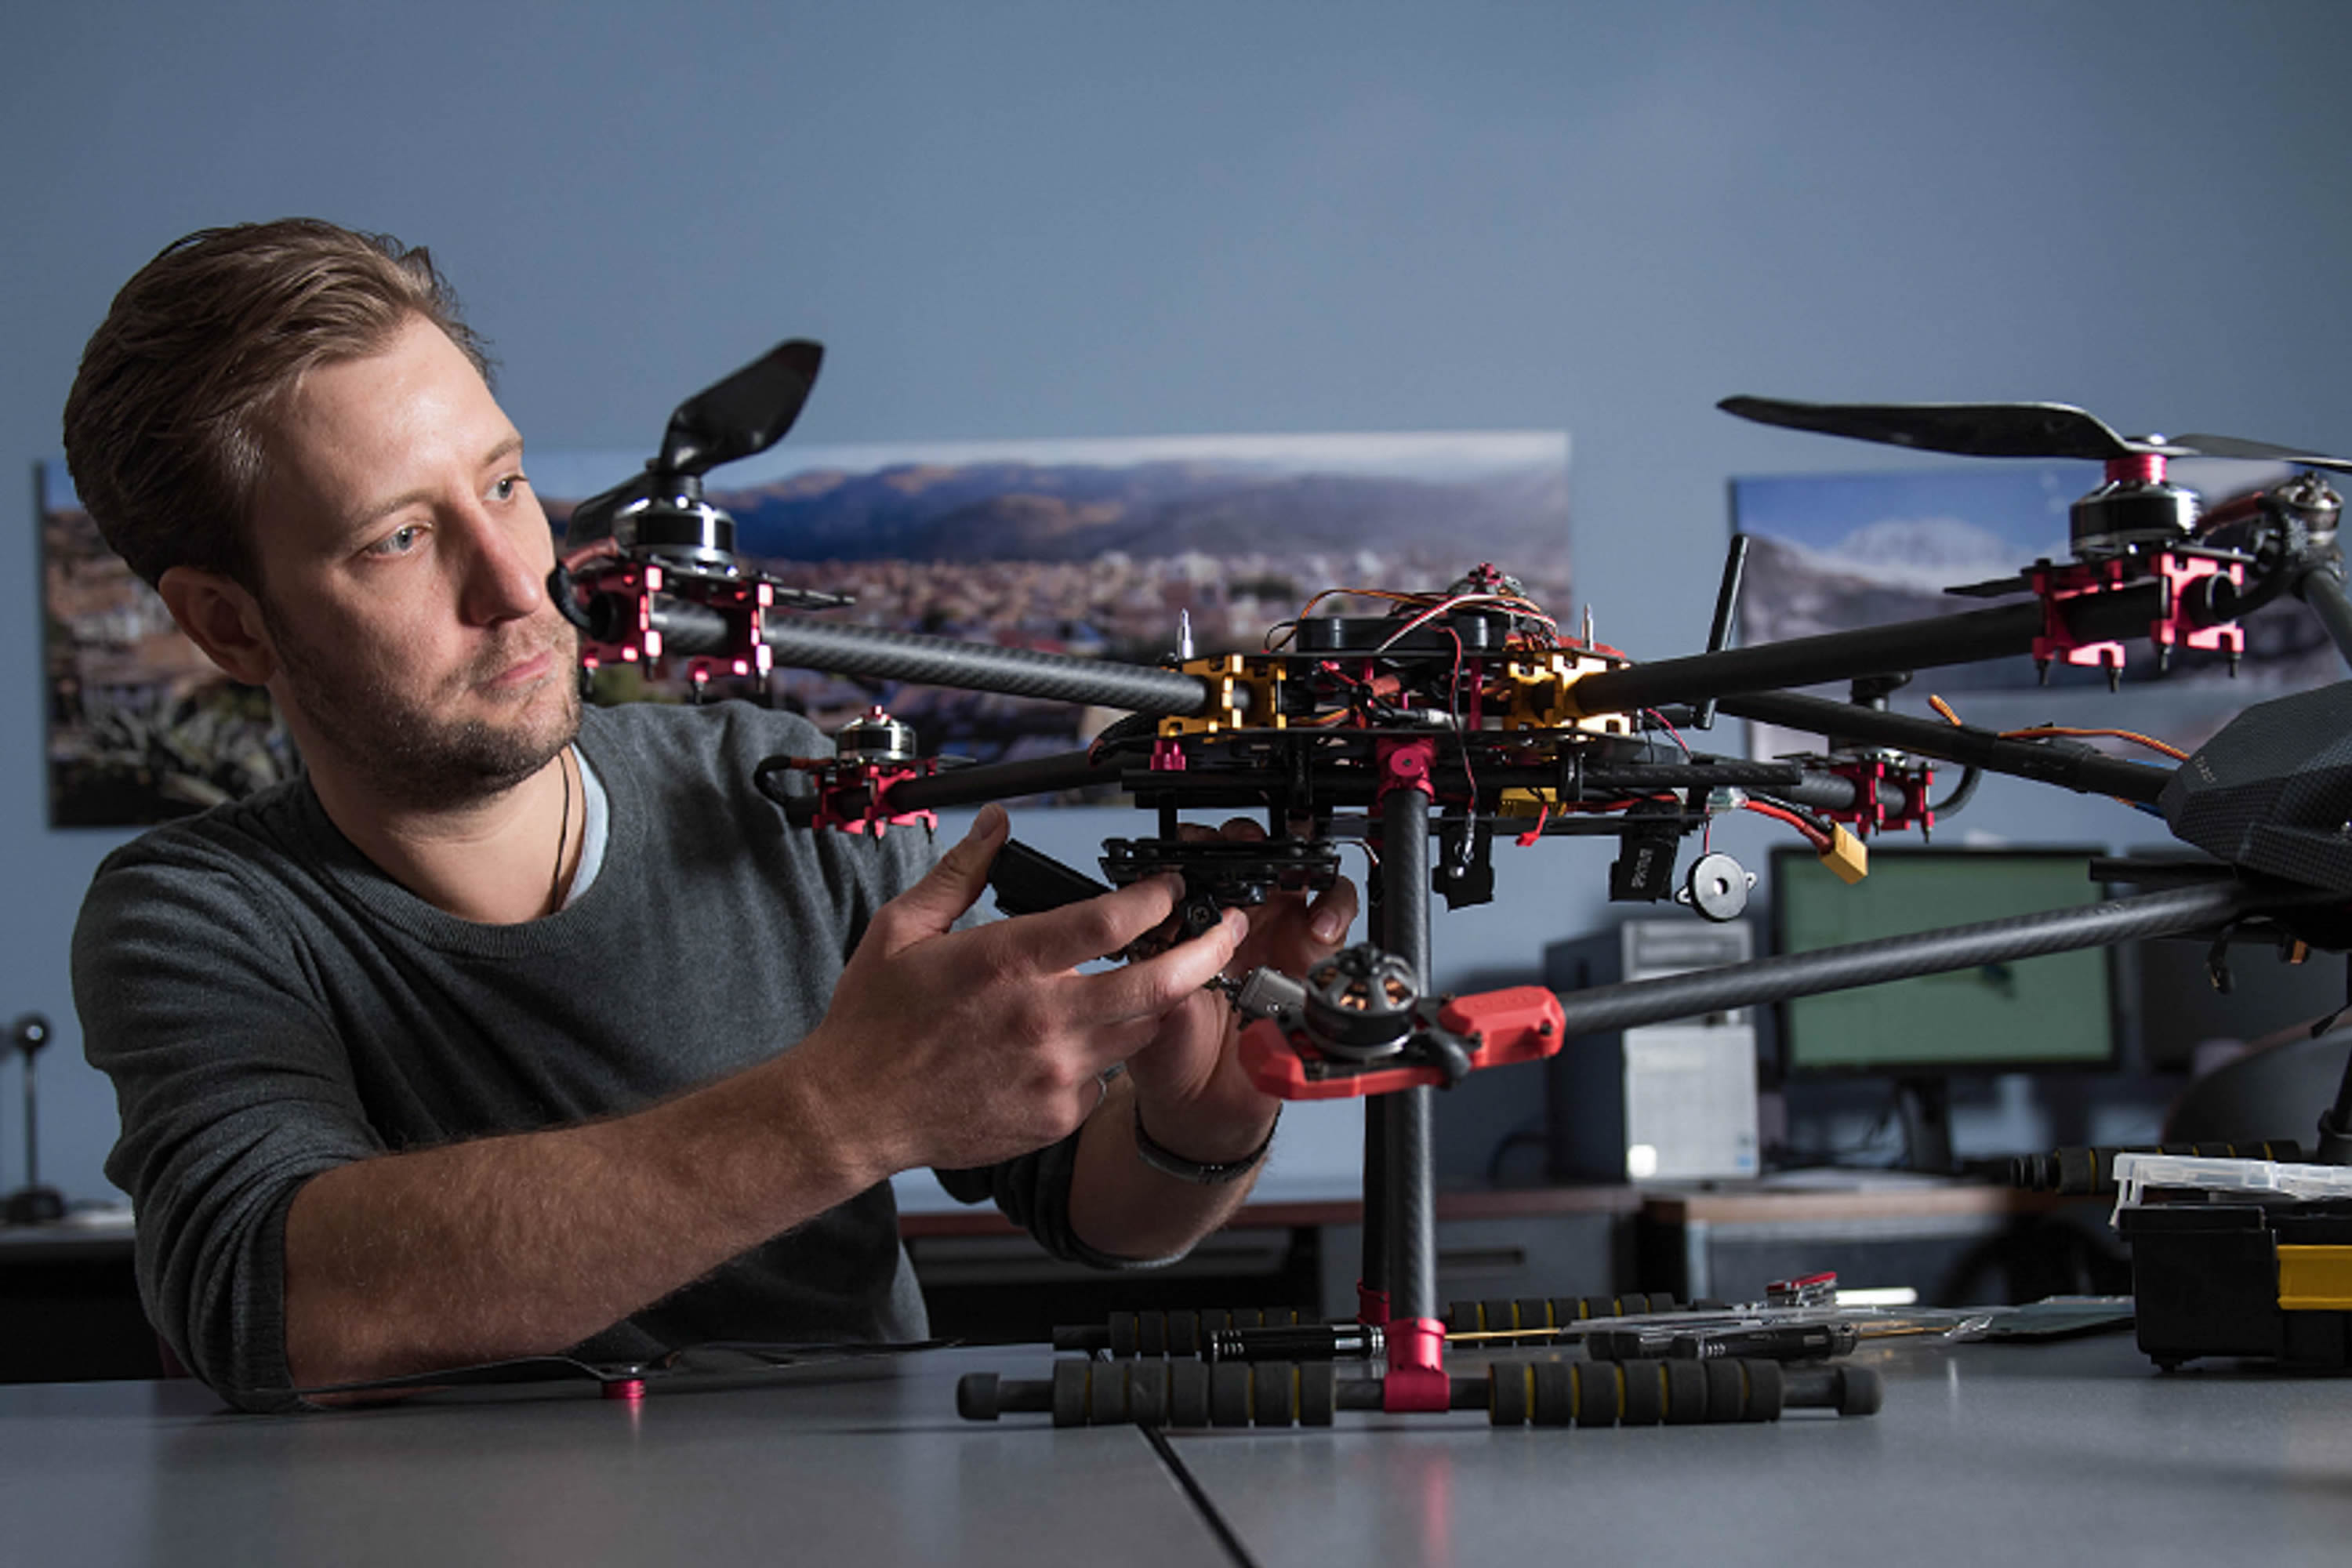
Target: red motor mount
x: 2058, y: 584
x: 1491, y: 1029
x: 612, y: 603
x: 872, y: 755
x: 1870, y: 813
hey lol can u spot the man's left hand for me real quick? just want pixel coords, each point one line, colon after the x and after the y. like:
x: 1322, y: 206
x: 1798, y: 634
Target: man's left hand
x: 1190, y: 1091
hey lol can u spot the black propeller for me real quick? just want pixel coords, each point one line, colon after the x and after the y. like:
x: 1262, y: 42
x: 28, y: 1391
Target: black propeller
x: 2004, y: 430
x: 2261, y: 452
x: 744, y: 415
x: 739, y: 417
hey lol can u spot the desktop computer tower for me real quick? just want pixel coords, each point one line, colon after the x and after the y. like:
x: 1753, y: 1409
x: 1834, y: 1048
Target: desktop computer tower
x: 1672, y: 1102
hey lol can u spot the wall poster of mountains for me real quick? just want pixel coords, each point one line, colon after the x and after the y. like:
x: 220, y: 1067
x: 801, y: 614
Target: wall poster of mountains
x: 1087, y: 547
x: 1834, y: 551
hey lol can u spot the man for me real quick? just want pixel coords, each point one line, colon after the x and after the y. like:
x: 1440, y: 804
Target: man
x: 508, y: 1028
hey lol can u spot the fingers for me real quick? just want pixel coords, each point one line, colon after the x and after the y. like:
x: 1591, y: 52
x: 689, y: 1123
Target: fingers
x: 1152, y: 987
x: 1329, y: 916
x: 1093, y: 1049
x: 934, y: 904
x: 1332, y: 913
x: 1286, y: 931
x: 1293, y: 935
x: 1077, y: 933
x: 1235, y: 830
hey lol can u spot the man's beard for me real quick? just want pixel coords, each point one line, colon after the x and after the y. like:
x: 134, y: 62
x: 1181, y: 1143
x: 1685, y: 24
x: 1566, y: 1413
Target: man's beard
x: 405, y: 750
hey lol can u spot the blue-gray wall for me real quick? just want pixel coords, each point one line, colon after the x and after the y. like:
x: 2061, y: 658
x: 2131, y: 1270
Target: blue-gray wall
x: 1025, y: 219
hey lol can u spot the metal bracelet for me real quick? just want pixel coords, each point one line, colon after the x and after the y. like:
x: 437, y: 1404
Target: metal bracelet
x: 1169, y: 1164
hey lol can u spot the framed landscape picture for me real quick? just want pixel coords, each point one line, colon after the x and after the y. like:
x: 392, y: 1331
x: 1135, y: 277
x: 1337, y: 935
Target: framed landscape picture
x: 1836, y: 552
x: 1097, y: 548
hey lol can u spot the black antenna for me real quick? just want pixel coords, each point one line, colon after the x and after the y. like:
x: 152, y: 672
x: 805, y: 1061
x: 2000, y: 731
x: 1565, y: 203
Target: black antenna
x: 1726, y: 613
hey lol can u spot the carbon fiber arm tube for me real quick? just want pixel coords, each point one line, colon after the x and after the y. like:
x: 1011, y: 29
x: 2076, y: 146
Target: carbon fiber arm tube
x: 1077, y: 770
x: 2087, y: 771
x: 1605, y: 780
x: 1602, y: 781
x: 2166, y: 913
x: 2322, y: 588
x: 1636, y: 778
x: 1830, y: 792
x: 1409, y: 1115
x: 801, y: 643
x: 1963, y: 639
x: 990, y: 780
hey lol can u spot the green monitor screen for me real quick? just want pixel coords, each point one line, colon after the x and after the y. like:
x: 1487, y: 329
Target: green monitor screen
x: 2055, y: 1011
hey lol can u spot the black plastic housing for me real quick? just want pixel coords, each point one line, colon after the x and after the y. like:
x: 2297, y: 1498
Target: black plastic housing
x: 2205, y: 1282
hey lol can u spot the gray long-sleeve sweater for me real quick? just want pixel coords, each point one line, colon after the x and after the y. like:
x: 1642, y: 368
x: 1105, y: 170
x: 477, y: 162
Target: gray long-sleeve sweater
x: 270, y: 1006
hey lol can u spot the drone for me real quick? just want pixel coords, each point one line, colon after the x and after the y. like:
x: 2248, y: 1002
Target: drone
x: 1465, y: 715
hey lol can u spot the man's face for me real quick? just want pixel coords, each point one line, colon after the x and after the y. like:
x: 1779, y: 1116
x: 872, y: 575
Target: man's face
x: 403, y: 563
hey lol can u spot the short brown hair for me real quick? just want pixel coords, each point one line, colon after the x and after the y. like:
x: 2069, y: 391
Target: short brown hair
x: 163, y: 426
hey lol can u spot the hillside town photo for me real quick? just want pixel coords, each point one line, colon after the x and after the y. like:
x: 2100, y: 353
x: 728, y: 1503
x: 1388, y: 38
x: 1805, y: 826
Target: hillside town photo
x: 1091, y: 547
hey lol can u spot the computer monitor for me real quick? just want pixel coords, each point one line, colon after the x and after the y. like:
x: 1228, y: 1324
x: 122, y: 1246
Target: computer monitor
x: 2054, y: 1012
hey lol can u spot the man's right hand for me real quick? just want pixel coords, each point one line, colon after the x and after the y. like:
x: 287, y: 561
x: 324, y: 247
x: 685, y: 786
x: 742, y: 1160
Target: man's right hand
x: 942, y: 1047
x: 957, y: 1048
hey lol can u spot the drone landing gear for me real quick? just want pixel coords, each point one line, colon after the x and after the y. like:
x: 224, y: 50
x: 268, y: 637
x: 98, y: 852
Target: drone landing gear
x: 1278, y: 1333
x: 1187, y: 1394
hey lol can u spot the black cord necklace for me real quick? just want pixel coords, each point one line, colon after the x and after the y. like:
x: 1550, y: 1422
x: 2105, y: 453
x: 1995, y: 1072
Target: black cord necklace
x: 562, y: 834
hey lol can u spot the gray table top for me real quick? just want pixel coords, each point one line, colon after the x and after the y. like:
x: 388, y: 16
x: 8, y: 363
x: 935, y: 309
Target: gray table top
x: 1983, y: 1453
x: 861, y: 1463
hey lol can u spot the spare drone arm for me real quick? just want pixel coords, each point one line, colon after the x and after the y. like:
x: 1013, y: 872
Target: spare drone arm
x: 1299, y: 1048
x: 2169, y: 912
x: 1297, y: 1052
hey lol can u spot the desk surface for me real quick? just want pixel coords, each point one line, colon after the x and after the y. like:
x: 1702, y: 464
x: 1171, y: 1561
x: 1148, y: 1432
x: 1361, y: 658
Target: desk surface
x: 1983, y: 1453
